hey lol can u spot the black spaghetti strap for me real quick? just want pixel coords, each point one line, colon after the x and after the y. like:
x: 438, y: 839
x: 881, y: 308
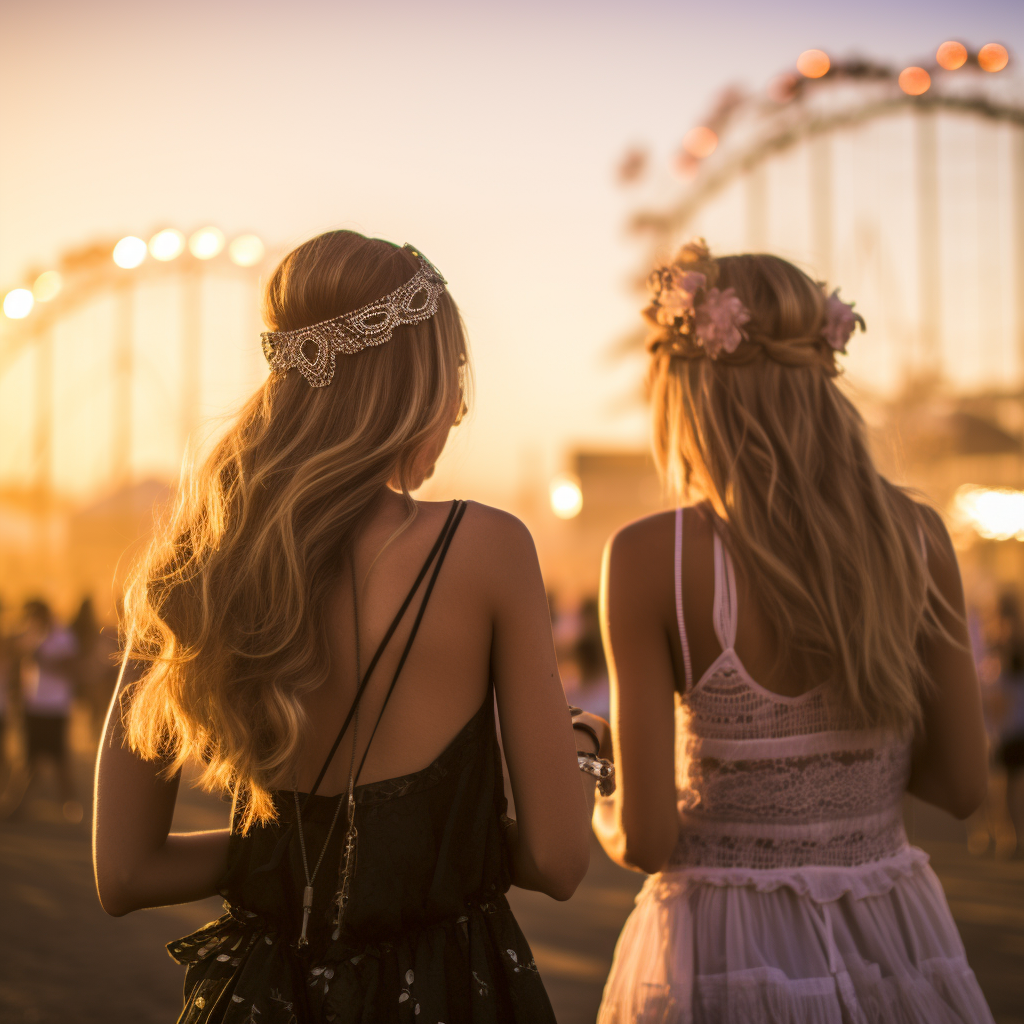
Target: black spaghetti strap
x: 381, y: 647
x: 413, y: 632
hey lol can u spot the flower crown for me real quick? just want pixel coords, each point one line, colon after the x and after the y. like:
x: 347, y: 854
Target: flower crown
x: 686, y: 301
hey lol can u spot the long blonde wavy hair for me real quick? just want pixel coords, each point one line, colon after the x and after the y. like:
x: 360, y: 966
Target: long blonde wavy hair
x: 226, y: 610
x: 766, y: 436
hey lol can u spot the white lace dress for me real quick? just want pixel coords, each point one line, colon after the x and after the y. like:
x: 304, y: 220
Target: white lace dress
x: 793, y: 896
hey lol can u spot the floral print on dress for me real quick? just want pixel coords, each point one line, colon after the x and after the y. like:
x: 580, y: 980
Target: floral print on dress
x: 405, y: 975
x: 406, y: 994
x: 531, y: 966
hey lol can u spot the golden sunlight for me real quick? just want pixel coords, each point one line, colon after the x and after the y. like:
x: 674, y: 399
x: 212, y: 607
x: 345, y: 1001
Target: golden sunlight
x: 18, y: 303
x: 992, y: 513
x: 951, y: 55
x: 206, y: 243
x: 166, y: 245
x: 700, y: 142
x: 566, y: 496
x: 129, y: 252
x: 993, y: 57
x: 813, y: 63
x: 915, y: 81
x: 246, y: 250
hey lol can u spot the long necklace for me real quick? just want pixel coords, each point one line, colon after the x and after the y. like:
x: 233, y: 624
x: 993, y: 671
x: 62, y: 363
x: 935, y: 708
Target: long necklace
x: 348, y: 854
x: 350, y: 835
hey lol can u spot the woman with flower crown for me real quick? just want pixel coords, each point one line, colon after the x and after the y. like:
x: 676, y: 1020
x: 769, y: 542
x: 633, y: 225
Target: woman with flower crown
x: 788, y: 656
x: 329, y: 650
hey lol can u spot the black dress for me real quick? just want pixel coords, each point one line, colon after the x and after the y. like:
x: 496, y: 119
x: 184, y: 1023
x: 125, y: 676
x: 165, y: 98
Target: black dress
x: 427, y: 935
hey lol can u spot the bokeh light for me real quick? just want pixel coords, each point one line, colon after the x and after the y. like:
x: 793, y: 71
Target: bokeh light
x: 700, y: 142
x: 206, y: 243
x: 813, y: 63
x: 166, y: 245
x: 993, y: 57
x: 129, y: 252
x: 566, y: 496
x: 18, y: 303
x: 246, y: 250
x: 915, y: 81
x: 951, y: 55
x: 993, y: 513
x: 47, y: 286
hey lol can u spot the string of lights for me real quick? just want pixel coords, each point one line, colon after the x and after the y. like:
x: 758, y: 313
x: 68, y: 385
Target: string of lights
x: 130, y: 252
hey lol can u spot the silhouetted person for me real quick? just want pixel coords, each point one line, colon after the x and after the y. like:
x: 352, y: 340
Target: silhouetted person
x: 6, y: 665
x: 48, y: 657
x: 85, y: 627
x: 96, y: 669
x: 1010, y: 753
x: 588, y: 652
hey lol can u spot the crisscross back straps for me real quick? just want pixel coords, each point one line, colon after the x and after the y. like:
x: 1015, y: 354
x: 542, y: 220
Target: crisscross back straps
x: 414, y: 630
x: 457, y: 509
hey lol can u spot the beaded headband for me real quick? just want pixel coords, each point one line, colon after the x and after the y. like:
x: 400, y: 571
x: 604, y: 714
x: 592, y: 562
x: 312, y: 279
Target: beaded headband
x: 312, y: 350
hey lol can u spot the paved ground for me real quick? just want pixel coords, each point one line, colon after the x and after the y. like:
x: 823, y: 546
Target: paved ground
x: 62, y: 960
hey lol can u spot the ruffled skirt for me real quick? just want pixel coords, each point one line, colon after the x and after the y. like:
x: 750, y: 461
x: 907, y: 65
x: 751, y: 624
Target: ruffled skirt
x: 874, y: 945
x: 473, y: 969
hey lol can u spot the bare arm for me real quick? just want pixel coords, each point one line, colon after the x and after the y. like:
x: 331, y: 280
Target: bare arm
x: 950, y: 764
x: 550, y: 844
x: 137, y: 861
x: 638, y: 824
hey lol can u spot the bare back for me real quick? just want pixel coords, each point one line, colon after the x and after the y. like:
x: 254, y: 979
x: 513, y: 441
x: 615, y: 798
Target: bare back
x: 446, y: 676
x: 486, y: 621
x: 756, y: 644
x: 642, y: 638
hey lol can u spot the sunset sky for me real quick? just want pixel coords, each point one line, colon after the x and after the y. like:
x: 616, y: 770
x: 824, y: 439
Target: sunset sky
x: 486, y: 134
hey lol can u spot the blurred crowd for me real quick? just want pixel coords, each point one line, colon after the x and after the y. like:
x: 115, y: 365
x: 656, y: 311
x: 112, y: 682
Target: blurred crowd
x: 577, y: 632
x: 998, y: 639
x: 50, y: 671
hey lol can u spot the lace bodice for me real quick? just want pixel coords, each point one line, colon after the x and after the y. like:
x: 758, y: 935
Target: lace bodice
x: 767, y: 782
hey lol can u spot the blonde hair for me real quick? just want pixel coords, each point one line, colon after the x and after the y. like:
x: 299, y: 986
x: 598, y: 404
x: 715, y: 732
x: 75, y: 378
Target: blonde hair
x: 227, y: 607
x: 767, y: 437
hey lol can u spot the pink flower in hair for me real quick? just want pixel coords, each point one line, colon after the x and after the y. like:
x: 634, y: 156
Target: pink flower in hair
x: 840, y: 321
x: 720, y: 320
x: 676, y: 298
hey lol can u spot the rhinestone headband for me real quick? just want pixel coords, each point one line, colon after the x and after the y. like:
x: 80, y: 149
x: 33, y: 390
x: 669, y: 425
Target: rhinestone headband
x: 312, y: 350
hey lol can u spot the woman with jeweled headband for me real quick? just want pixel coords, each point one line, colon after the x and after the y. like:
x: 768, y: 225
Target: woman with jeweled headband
x: 328, y: 650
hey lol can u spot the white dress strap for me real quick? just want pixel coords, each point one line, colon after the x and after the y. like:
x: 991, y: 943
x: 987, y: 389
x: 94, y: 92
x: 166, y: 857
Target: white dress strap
x: 687, y: 667
x: 725, y: 611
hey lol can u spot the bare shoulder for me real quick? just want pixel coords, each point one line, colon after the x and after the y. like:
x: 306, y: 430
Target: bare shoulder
x: 638, y: 561
x: 488, y: 524
x: 650, y: 540
x: 493, y: 540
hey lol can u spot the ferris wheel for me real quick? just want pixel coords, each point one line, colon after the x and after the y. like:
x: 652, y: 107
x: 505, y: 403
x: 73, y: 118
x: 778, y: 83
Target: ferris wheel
x: 903, y: 186
x: 105, y: 356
